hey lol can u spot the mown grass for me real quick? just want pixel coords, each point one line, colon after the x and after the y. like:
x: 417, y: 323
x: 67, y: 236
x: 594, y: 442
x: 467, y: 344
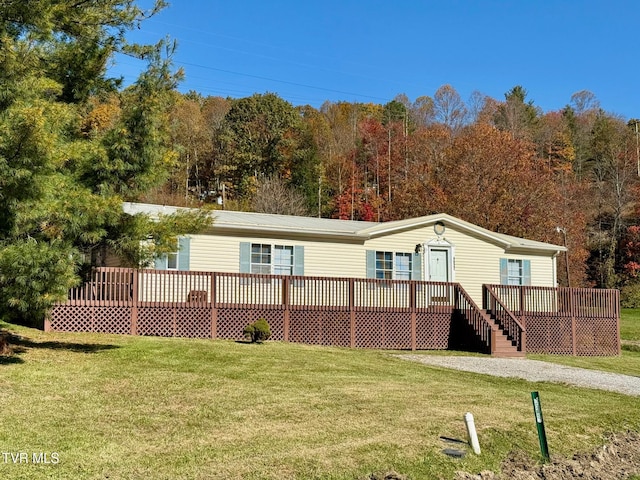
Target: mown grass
x: 123, y: 407
x: 630, y: 324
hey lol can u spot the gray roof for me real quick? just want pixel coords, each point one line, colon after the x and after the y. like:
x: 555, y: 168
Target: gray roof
x: 226, y: 220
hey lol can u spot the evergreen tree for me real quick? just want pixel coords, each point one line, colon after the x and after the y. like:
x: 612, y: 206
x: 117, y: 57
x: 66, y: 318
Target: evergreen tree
x: 61, y: 184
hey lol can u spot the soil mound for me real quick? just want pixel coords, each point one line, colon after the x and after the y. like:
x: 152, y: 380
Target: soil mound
x: 618, y: 459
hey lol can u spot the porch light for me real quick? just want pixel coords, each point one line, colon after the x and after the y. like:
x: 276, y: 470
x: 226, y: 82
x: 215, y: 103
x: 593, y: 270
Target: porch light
x: 418, y: 248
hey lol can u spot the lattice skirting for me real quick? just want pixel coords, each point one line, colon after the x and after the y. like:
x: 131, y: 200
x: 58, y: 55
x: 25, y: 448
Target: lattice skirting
x: 375, y: 329
x: 191, y: 322
x: 433, y: 331
x: 549, y: 335
x: 67, y: 318
x: 390, y: 330
x: 326, y: 327
x: 596, y: 336
x: 231, y: 322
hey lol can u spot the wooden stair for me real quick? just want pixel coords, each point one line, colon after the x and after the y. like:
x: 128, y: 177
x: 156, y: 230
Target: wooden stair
x: 504, y: 347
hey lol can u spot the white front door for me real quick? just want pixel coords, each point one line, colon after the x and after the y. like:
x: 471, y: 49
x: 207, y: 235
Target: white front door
x: 439, y: 265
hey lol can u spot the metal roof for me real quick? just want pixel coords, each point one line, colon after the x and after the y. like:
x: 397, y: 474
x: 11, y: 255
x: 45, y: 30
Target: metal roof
x: 345, y: 229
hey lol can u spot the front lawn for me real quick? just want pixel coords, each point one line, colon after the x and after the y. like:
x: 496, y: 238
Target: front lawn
x: 123, y: 407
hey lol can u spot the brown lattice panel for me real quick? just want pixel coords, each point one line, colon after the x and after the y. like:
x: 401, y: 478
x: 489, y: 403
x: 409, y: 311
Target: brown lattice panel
x: 156, y: 321
x: 596, y: 336
x: 326, y: 327
x: 383, y: 330
x: 433, y: 330
x: 91, y: 319
x: 193, y: 322
x: 552, y: 335
x: 111, y: 320
x: 70, y: 318
x: 231, y: 322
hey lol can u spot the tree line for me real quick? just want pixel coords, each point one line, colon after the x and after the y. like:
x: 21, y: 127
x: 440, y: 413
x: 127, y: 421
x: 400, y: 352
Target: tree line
x: 569, y: 175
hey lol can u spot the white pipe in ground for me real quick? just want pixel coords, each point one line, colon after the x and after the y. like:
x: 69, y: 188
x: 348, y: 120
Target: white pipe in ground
x: 471, y: 431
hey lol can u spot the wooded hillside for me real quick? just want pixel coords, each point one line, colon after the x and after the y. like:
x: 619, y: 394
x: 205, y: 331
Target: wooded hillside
x: 503, y: 164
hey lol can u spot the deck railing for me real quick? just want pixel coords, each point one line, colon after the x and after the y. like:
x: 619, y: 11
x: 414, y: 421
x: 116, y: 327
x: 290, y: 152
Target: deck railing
x: 476, y: 318
x: 506, y: 320
x: 338, y: 311
x: 570, y: 321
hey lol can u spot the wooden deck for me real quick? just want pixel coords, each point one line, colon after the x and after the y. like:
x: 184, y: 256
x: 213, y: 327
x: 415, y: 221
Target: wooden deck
x: 346, y: 312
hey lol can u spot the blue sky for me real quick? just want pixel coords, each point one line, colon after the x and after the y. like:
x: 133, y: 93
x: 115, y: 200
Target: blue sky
x: 311, y: 51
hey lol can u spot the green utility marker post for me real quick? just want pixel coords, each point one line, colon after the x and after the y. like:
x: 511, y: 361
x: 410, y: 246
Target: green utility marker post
x: 542, y: 435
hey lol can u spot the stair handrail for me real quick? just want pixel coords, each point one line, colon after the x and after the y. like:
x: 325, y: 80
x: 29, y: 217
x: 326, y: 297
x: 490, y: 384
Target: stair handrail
x: 505, y: 318
x: 476, y: 317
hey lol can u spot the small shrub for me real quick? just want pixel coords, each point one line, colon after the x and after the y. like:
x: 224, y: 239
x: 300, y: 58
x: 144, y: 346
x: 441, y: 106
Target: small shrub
x: 630, y: 296
x: 258, y: 331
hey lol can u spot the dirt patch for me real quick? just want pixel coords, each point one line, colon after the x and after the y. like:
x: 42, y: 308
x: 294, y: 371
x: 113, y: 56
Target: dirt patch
x: 618, y: 459
x: 5, y: 347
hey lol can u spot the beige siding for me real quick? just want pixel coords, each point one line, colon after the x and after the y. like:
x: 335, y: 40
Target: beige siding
x: 477, y: 261
x: 322, y: 259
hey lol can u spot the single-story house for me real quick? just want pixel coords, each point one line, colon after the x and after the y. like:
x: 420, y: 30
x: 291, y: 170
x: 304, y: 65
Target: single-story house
x: 437, y: 248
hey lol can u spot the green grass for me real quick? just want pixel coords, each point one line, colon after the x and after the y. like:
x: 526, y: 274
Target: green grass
x: 121, y: 407
x: 630, y: 324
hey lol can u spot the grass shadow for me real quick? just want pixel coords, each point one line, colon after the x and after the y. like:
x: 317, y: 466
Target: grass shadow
x: 14, y: 345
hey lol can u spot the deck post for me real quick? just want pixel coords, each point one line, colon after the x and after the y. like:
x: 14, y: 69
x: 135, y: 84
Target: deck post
x: 285, y: 304
x: 412, y: 307
x: 574, y: 348
x: 352, y: 313
x: 214, y: 306
x: 616, y: 313
x: 523, y: 318
x: 134, y: 301
x: 493, y: 342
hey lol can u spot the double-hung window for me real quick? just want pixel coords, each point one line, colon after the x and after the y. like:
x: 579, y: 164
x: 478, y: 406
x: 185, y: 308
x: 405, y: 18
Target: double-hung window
x: 172, y: 259
x: 276, y: 259
x: 514, y: 271
x: 263, y: 258
x: 260, y: 258
x: 393, y: 265
x: 178, y: 259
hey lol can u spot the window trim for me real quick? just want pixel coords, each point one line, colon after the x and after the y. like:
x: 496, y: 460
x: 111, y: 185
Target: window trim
x: 524, y: 274
x: 296, y: 267
x: 394, y: 265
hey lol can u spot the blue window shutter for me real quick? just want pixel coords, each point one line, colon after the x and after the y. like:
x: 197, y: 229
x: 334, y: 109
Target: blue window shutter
x: 160, y: 263
x: 245, y: 257
x: 371, y: 264
x: 416, y: 266
x: 504, y: 271
x: 526, y: 272
x: 184, y: 253
x: 298, y: 260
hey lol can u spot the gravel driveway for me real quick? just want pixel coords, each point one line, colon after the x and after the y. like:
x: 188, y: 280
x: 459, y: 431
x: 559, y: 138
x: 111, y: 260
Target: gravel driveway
x: 534, y: 371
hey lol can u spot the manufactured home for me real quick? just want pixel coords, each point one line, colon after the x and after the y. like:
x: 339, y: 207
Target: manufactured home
x: 434, y: 282
x: 435, y: 248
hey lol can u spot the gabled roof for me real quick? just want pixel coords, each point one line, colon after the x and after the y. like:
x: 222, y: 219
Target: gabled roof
x: 230, y: 221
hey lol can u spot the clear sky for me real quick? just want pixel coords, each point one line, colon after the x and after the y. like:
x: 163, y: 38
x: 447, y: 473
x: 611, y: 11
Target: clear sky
x: 310, y: 51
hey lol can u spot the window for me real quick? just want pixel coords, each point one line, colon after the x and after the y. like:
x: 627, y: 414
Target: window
x: 260, y: 258
x: 176, y: 260
x: 172, y: 259
x: 282, y: 260
x: 403, y: 266
x: 263, y: 258
x: 515, y: 271
x: 393, y: 266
